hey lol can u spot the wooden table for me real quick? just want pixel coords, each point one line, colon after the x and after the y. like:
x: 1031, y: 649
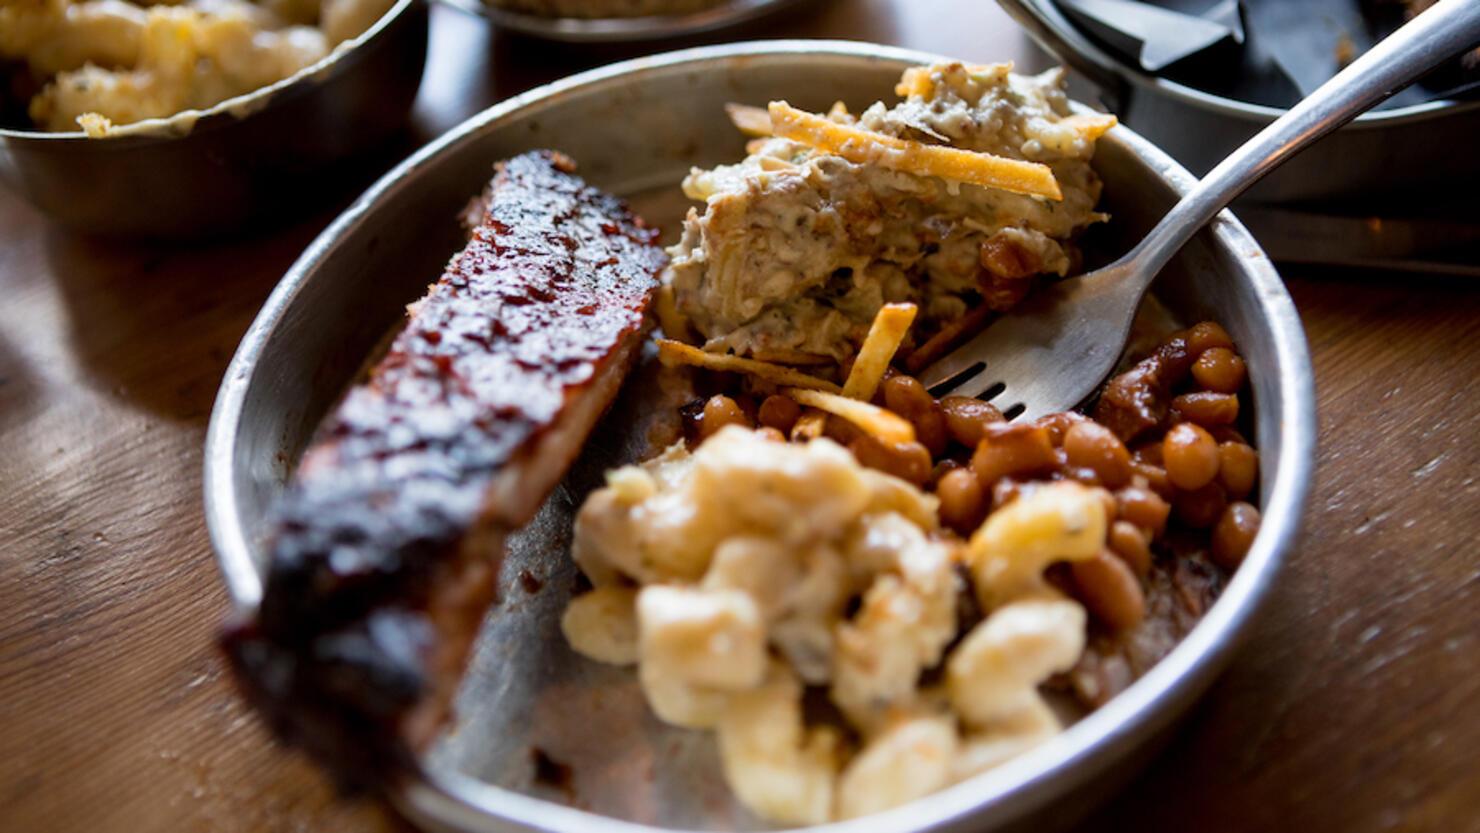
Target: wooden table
x: 1350, y: 708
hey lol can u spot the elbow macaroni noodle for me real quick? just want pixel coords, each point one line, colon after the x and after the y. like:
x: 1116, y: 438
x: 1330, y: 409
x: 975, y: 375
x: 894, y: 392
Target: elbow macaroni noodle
x: 727, y: 575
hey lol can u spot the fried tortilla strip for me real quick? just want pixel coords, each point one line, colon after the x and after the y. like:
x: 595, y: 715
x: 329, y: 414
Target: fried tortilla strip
x: 752, y: 121
x: 385, y: 550
x: 891, y: 324
x: 885, y: 425
x: 953, y: 164
x: 674, y: 352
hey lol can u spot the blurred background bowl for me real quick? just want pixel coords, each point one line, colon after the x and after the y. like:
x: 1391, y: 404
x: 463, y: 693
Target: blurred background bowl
x: 722, y: 15
x: 1382, y: 156
x: 252, y: 160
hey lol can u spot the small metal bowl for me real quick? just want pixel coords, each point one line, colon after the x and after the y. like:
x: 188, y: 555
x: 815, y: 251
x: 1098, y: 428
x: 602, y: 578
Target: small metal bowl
x: 1381, y: 156
x: 636, y: 128
x: 269, y: 153
x: 624, y: 29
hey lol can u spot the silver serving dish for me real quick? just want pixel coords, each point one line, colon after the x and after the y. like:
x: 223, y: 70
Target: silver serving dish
x: 619, y: 29
x: 1417, y: 151
x: 636, y: 128
x: 267, y: 154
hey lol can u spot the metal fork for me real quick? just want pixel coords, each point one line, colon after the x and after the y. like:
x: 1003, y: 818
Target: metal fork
x: 1051, y: 352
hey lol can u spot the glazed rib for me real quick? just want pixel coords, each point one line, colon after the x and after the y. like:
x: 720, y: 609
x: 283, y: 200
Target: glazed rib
x: 387, y: 546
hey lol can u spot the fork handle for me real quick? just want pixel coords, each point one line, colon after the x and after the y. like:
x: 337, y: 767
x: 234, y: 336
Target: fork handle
x: 1444, y: 30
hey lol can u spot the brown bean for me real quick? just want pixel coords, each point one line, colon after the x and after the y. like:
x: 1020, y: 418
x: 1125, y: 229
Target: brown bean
x: 1207, y: 408
x: 1220, y: 369
x: 1205, y: 336
x: 1149, y: 452
x: 963, y: 504
x: 907, y: 461
x: 1058, y: 425
x: 719, y: 411
x: 1153, y: 477
x: 1234, y: 534
x: 1012, y: 449
x: 841, y: 430
x: 905, y: 396
x: 1081, y: 474
x: 780, y: 412
x: 1129, y: 542
x: 748, y: 406
x: 943, y: 468
x: 967, y: 418
x: 1227, y: 434
x: 1094, y: 446
x: 1144, y: 508
x: 1238, y: 469
x: 1110, y: 590
x: 773, y: 434
x: 1200, y: 508
x: 1191, y: 456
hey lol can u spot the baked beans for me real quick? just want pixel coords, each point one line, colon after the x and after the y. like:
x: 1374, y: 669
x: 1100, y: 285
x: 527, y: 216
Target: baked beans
x: 1220, y: 369
x: 1093, y: 446
x: 1009, y: 448
x: 967, y: 418
x: 963, y: 502
x: 1205, y: 336
x: 1238, y: 469
x: 1130, y: 543
x: 719, y: 411
x: 1191, y: 456
x: 1110, y: 590
x: 1234, y: 534
x: 1144, y: 508
x: 1200, y: 508
x: 1058, y: 425
x: 779, y: 412
x: 905, y: 396
x: 1207, y: 408
x: 907, y: 461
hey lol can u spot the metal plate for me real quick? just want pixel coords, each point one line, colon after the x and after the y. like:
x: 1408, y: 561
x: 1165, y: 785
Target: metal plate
x: 617, y: 29
x: 525, y: 690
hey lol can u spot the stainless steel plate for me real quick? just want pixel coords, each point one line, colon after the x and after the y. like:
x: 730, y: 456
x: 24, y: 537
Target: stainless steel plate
x: 615, y: 29
x: 636, y: 128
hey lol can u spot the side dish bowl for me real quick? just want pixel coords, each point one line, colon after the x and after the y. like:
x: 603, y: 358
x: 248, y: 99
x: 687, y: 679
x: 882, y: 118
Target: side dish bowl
x: 540, y: 729
x: 1380, y: 156
x: 723, y: 14
x: 205, y: 173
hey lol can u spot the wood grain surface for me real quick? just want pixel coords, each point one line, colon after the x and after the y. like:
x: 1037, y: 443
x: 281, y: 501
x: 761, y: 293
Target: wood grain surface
x: 1350, y: 708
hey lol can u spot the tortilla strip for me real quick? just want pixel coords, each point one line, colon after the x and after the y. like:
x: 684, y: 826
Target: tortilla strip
x: 885, y: 425
x: 675, y: 352
x: 954, y: 164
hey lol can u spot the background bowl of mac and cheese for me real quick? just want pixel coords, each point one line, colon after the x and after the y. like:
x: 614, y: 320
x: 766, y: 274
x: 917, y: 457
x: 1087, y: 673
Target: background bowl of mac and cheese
x: 257, y: 158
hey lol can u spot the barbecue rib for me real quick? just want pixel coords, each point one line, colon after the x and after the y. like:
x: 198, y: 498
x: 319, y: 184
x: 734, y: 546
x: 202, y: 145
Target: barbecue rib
x: 388, y: 544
